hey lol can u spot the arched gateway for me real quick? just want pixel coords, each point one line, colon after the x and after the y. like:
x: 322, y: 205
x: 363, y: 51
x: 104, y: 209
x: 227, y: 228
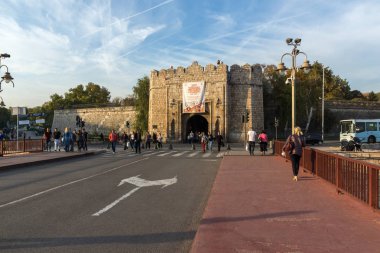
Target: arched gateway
x: 211, y: 99
x: 197, y: 124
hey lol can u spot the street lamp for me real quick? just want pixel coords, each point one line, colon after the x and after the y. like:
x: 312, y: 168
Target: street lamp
x: 323, y: 103
x: 305, y: 67
x: 7, y: 76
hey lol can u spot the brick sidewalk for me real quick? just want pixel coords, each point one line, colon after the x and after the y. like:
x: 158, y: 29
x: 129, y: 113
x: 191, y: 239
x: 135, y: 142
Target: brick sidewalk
x: 255, y: 206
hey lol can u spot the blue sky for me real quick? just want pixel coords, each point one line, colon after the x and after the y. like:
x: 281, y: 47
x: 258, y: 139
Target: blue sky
x: 56, y: 45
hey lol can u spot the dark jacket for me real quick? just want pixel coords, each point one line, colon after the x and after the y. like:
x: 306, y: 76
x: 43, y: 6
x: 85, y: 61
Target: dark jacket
x: 299, y: 143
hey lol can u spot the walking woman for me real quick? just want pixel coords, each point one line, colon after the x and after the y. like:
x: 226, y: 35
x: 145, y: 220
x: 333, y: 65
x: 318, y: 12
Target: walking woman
x: 297, y: 141
x: 263, y: 139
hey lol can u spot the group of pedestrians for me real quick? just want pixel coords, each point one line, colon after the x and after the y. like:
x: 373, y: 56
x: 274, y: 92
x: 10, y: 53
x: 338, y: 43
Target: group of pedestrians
x: 206, y: 140
x: 293, y: 146
x: 69, y: 139
x: 135, y: 140
x: 252, y: 137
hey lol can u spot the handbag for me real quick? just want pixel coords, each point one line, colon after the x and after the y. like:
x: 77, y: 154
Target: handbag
x: 289, y: 146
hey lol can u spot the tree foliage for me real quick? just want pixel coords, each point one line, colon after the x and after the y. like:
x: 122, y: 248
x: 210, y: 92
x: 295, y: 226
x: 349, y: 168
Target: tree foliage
x: 372, y: 96
x: 127, y: 101
x: 5, y: 117
x: 141, y: 96
x: 277, y: 96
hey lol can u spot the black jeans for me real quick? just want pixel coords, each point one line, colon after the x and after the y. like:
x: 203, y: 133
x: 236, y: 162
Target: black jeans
x: 295, y: 163
x: 251, y: 147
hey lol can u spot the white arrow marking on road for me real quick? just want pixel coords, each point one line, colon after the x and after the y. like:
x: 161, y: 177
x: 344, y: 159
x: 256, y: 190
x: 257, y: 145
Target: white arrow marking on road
x: 139, y: 182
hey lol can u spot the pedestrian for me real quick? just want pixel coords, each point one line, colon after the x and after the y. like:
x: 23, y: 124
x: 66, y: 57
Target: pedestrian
x: 80, y: 140
x: 101, y: 137
x: 263, y: 140
x: 138, y: 142
x: 73, y: 140
x: 66, y: 139
x: 113, y: 140
x: 148, y: 139
x: 251, y: 141
x: 219, y: 140
x: 159, y: 140
x: 57, y: 139
x: 85, y: 138
x: 125, y: 140
x: 47, y: 137
x: 155, y: 140
x: 132, y: 140
x: 203, y: 142
x: 191, y: 137
x: 210, y: 141
x: 296, y: 141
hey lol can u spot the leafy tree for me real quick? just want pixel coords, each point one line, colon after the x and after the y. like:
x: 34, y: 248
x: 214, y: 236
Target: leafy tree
x: 372, y: 96
x: 277, y: 96
x: 356, y: 95
x: 5, y: 117
x: 127, y: 101
x: 141, y: 95
x: 91, y: 94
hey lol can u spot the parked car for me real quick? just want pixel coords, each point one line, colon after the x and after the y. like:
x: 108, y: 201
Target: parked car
x: 313, y: 138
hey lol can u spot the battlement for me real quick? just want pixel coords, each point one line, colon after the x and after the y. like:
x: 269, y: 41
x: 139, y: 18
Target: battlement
x: 193, y: 69
x: 246, y: 74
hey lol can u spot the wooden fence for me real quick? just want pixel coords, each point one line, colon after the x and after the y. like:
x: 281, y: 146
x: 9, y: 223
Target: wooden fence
x: 20, y: 146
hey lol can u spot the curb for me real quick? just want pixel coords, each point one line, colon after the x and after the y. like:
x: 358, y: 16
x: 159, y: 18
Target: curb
x: 51, y: 160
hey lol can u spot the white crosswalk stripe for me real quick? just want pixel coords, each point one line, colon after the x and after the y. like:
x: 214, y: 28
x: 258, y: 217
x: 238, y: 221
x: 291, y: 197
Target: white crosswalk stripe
x: 179, y: 154
x: 161, y: 153
x: 164, y: 154
x: 193, y: 154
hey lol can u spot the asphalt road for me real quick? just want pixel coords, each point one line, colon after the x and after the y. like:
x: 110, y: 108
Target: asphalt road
x: 82, y: 205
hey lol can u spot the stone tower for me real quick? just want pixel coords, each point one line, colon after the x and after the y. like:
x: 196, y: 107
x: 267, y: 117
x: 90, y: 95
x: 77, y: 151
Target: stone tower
x: 227, y: 94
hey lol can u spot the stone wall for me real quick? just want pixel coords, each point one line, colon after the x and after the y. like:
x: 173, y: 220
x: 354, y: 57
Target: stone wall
x: 97, y: 120
x: 227, y: 95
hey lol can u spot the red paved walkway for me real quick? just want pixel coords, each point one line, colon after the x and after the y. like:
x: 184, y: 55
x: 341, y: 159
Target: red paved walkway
x: 255, y: 206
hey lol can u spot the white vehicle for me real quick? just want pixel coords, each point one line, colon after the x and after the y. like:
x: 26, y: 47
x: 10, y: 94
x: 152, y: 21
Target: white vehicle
x: 366, y: 130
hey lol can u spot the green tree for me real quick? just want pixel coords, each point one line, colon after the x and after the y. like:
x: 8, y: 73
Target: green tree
x: 5, y: 117
x: 141, y: 95
x: 372, y: 96
x: 92, y: 94
x: 277, y: 96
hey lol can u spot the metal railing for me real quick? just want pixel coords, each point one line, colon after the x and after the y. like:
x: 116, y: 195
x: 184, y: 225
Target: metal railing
x: 20, y: 146
x: 360, y: 179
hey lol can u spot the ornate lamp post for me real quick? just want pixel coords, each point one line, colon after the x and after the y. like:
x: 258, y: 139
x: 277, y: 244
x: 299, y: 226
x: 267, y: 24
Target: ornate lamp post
x: 7, y: 76
x: 282, y: 69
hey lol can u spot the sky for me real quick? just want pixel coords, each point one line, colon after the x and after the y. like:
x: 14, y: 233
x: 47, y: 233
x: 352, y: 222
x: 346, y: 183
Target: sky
x: 56, y: 45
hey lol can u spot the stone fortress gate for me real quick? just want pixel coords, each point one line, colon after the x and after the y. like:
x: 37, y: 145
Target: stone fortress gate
x: 227, y: 94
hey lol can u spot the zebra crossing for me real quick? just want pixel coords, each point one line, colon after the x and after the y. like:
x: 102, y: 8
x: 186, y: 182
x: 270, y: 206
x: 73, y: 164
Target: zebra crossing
x: 163, y: 154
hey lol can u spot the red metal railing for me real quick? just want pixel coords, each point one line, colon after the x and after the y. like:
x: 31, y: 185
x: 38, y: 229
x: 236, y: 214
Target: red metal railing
x: 358, y: 178
x: 20, y: 146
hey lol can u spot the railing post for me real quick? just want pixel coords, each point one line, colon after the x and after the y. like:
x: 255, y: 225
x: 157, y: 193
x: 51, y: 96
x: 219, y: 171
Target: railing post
x: 2, y: 148
x: 24, y: 146
x: 42, y: 145
x: 337, y: 166
x: 370, y: 187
